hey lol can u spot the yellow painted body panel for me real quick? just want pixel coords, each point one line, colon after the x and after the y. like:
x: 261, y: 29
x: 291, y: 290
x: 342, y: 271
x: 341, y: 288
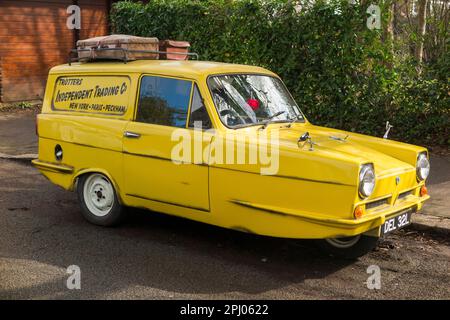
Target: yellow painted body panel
x: 313, y: 194
x: 184, y: 184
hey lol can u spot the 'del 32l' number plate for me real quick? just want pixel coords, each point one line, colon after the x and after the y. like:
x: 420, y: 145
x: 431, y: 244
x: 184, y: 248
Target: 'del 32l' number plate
x: 397, y: 222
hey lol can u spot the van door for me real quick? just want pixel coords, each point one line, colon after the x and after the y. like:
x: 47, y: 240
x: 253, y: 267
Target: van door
x: 159, y: 156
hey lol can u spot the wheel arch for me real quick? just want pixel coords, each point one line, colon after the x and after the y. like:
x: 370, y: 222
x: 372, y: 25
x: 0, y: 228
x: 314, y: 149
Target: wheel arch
x: 83, y: 172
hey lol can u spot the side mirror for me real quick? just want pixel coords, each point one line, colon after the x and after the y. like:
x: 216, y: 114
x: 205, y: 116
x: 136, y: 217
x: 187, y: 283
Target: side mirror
x: 388, y: 128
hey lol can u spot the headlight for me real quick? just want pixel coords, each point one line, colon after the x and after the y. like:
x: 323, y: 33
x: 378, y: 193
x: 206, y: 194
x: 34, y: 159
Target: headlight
x: 366, y: 180
x: 422, y: 166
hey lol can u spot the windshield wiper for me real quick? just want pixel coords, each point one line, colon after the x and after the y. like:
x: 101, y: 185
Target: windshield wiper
x: 293, y: 119
x: 269, y: 119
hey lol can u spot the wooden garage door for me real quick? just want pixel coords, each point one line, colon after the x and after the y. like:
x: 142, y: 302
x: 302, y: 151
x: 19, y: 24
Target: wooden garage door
x: 34, y: 37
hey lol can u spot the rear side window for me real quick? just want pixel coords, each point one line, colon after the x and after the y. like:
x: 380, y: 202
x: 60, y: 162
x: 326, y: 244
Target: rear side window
x: 164, y: 101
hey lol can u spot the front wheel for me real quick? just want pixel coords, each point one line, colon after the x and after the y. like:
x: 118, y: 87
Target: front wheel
x: 349, y: 247
x: 98, y: 200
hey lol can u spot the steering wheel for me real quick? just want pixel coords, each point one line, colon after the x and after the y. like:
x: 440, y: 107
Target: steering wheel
x: 233, y: 114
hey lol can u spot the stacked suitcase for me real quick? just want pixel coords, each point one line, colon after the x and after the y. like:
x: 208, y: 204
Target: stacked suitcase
x: 126, y: 47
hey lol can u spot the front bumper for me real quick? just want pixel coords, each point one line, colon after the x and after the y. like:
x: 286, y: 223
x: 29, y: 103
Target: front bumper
x: 331, y: 227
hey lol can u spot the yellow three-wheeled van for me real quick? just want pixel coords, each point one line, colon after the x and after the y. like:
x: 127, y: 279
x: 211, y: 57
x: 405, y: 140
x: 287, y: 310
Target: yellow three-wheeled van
x: 222, y: 144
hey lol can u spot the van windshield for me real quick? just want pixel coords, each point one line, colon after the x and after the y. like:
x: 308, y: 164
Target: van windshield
x: 244, y: 100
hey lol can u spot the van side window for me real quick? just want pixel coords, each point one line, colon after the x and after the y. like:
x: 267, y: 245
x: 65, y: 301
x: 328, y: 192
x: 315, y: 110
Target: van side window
x: 198, y: 111
x: 164, y: 101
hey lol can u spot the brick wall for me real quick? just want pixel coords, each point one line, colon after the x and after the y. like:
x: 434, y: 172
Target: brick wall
x: 34, y: 37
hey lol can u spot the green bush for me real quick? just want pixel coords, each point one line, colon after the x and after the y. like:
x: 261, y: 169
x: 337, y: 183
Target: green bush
x: 341, y: 73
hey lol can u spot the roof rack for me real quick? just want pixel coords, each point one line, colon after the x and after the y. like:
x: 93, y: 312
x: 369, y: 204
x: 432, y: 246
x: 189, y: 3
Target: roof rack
x: 125, y: 54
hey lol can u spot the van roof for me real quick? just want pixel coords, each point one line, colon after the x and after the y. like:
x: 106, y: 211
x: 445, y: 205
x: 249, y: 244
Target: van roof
x: 190, y: 68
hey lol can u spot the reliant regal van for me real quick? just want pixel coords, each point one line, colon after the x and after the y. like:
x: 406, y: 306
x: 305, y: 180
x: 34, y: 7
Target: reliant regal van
x: 222, y: 144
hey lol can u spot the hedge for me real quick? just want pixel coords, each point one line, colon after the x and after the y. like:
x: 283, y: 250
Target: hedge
x: 342, y: 74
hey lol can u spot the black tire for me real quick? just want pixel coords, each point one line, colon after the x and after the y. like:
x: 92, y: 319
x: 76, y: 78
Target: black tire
x: 113, y: 214
x: 348, y: 248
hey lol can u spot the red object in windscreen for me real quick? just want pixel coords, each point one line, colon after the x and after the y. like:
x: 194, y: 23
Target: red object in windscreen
x: 253, y: 103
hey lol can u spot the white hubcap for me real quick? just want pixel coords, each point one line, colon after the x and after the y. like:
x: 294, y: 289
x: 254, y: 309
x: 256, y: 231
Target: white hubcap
x: 98, y: 195
x: 344, y: 243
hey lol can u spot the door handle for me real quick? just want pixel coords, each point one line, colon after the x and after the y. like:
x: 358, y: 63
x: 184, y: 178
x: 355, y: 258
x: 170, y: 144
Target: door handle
x: 132, y: 135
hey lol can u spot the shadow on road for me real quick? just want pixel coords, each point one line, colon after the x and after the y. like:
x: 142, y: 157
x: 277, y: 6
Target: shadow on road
x: 150, y: 251
x: 159, y: 257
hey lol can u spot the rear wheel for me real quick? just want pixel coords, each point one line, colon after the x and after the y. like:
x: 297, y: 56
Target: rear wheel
x: 348, y: 247
x: 98, y: 200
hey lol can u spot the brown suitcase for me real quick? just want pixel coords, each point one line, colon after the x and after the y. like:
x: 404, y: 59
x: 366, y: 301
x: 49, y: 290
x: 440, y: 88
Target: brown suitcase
x: 89, y: 48
x: 174, y: 49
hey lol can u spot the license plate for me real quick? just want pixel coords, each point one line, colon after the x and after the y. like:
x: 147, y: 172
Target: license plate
x: 397, y: 222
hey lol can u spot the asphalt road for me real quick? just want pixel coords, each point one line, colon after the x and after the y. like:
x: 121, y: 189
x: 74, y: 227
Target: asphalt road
x: 154, y: 256
x: 17, y: 133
